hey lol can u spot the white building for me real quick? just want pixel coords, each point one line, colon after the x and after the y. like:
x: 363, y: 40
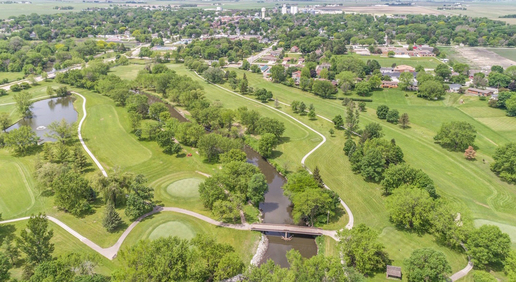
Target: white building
x: 284, y: 9
x: 293, y: 10
x: 219, y: 9
x: 263, y: 13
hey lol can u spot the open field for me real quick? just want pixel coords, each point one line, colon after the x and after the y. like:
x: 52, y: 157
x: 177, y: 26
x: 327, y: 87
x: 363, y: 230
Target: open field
x: 186, y: 227
x: 482, y: 57
x: 509, y: 53
x: 426, y: 62
x: 127, y: 72
x: 12, y: 76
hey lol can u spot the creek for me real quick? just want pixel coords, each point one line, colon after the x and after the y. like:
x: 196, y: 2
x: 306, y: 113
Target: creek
x: 277, y: 209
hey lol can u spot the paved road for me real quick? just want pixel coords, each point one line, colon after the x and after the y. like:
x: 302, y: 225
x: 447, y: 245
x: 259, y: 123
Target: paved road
x: 458, y: 275
x: 262, y: 53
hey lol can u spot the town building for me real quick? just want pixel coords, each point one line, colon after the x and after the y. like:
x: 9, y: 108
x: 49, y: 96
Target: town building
x: 284, y: 9
x: 293, y: 9
x: 389, y: 84
x: 480, y: 92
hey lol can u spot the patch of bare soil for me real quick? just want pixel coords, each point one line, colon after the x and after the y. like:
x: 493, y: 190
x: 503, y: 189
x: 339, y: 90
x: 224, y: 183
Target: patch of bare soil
x: 483, y: 58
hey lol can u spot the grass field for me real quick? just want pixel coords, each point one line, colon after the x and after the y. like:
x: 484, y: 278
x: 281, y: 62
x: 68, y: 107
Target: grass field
x: 509, y: 53
x: 11, y: 76
x: 127, y: 72
x: 426, y: 62
x: 173, y: 224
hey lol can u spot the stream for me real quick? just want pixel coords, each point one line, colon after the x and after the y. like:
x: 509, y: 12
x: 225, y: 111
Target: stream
x: 276, y: 209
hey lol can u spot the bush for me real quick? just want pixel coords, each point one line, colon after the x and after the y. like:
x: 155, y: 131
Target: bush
x: 362, y: 99
x: 382, y: 111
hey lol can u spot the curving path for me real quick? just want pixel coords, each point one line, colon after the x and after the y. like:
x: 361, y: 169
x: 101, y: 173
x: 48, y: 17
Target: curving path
x: 348, y: 210
x: 80, y: 136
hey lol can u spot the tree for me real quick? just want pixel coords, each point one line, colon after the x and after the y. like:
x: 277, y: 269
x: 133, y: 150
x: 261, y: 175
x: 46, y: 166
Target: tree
x: 479, y: 80
x: 456, y: 135
x: 23, y: 103
x: 243, y: 85
x: 510, y: 105
x: 156, y: 109
x: 60, y: 131
x: 317, y: 177
x: 498, y: 69
x: 363, y: 88
x: 266, y: 144
x: 311, y: 205
x: 324, y: 88
x: 403, y: 174
x: 5, y: 121
x: 331, y: 131
x: 61, y: 91
x: 20, y: 140
x: 427, y: 265
x: 487, y: 245
x: 135, y: 119
x: 482, y: 276
x: 393, y: 116
x: 510, y: 266
x: 233, y: 155
x: 410, y: 208
x: 372, y: 165
x: 270, y: 125
x: 505, y: 162
x: 311, y: 114
x: 404, y: 121
x: 362, y: 106
x: 50, y: 91
x: 352, y: 119
x: 112, y: 219
x: 360, y: 248
x: 406, y: 80
x: 44, y: 75
x: 246, y: 65
x: 391, y: 54
x: 443, y: 71
x: 432, y: 89
x: 256, y: 189
x: 12, y: 251
x: 338, y: 122
x: 381, y: 111
x: 5, y: 266
x: 375, y: 81
x: 35, y: 239
x: 79, y: 160
x: 214, y: 75
x: 278, y: 73
x: 496, y: 79
x: 470, y: 153
x: 72, y: 193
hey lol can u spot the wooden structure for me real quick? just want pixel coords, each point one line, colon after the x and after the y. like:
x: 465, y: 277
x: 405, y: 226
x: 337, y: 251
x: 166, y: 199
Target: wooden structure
x: 394, y: 272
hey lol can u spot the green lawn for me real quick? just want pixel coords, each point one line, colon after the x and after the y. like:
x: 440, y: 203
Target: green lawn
x: 127, y: 72
x: 12, y: 76
x: 173, y: 224
x: 426, y: 62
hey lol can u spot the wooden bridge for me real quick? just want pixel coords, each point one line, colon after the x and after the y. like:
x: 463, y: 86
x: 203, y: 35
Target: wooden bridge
x: 293, y: 229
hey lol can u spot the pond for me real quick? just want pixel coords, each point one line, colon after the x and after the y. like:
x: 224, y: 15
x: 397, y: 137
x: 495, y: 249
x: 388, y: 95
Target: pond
x: 277, y: 209
x: 47, y: 111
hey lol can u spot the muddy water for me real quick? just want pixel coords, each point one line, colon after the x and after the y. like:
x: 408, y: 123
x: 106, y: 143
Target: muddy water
x: 276, y: 209
x: 47, y: 111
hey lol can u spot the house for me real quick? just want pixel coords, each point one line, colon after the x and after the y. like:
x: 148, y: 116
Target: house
x: 404, y: 68
x: 362, y: 52
x: 455, y: 87
x: 287, y: 60
x: 394, y: 272
x: 267, y: 74
x: 264, y: 68
x: 294, y: 49
x: 389, y: 84
x: 297, y: 77
x: 269, y: 58
x: 322, y: 66
x: 479, y: 92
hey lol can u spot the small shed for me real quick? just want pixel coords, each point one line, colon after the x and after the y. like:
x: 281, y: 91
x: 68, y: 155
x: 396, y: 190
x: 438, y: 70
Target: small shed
x: 394, y: 272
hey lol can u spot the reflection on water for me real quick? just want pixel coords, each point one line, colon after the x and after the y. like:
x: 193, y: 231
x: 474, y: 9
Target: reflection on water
x: 276, y: 209
x: 47, y: 111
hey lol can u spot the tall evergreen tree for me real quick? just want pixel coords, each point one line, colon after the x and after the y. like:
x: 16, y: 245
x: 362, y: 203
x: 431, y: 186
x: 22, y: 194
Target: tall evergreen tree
x: 111, y: 218
x: 317, y: 176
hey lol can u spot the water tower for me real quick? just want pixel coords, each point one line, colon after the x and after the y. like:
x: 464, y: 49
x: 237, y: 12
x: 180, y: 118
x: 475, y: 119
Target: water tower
x: 263, y: 13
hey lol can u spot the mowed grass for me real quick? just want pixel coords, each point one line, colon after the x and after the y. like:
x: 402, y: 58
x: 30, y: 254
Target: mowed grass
x: 185, y: 188
x: 169, y: 224
x: 16, y: 196
x: 64, y: 244
x: 11, y: 76
x: 105, y: 134
x: 127, y: 72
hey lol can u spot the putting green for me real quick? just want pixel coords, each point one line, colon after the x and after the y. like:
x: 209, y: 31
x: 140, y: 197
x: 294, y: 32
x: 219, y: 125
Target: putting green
x: 171, y: 229
x: 185, y: 188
